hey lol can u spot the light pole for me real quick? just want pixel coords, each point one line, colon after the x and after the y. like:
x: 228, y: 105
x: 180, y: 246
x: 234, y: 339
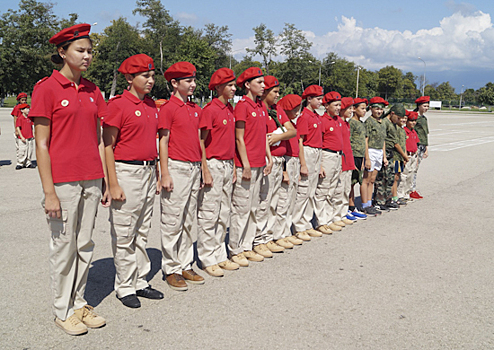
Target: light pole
x: 423, y: 84
x: 461, y: 95
x: 231, y: 54
x: 358, y: 74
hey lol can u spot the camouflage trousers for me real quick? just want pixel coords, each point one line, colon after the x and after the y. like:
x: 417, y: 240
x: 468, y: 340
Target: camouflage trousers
x: 384, y: 181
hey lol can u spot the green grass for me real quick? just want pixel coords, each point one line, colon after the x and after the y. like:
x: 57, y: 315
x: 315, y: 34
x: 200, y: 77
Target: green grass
x: 11, y: 101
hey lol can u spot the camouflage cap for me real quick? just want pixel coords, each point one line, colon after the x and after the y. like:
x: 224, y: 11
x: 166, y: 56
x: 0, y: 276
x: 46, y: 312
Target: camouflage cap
x: 399, y: 109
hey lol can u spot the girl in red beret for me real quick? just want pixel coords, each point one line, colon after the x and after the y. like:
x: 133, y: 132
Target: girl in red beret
x: 129, y: 133
x: 422, y: 129
x: 309, y: 126
x: 67, y: 110
x: 405, y: 186
x: 217, y: 126
x: 269, y: 236
x: 250, y: 162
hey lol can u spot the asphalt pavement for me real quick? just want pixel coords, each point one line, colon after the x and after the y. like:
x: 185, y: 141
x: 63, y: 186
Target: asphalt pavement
x: 421, y: 277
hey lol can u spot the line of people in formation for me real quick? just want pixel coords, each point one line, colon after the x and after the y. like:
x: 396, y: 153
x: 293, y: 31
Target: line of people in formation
x: 276, y: 173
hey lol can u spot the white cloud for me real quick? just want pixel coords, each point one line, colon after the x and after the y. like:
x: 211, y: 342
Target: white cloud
x: 463, y: 40
x: 187, y: 17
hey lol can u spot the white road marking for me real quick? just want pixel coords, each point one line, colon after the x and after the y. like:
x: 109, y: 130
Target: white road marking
x: 451, y: 146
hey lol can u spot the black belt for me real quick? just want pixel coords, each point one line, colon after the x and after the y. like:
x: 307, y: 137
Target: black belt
x: 138, y: 162
x: 330, y: 150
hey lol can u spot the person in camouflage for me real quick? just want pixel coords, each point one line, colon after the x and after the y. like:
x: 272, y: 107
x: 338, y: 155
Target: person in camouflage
x: 359, y: 149
x: 399, y: 159
x: 375, y: 133
x: 422, y: 129
x: 385, y: 179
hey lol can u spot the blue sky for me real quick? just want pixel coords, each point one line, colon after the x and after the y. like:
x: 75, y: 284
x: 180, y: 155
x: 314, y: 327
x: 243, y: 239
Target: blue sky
x: 456, y: 39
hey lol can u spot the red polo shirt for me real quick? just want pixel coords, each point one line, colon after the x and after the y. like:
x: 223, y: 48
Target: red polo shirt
x: 347, y: 161
x: 219, y: 120
x: 309, y: 125
x: 182, y: 119
x: 279, y: 150
x: 332, y: 134
x: 254, y: 114
x: 26, y: 126
x: 74, y: 114
x: 292, y: 147
x: 412, y: 140
x: 16, y: 112
x: 137, y: 122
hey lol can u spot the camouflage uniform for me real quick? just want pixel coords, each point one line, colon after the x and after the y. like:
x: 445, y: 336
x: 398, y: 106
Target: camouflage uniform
x: 357, y: 141
x: 385, y: 176
x: 422, y: 129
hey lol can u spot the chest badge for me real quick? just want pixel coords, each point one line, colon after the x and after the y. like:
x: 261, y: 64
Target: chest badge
x: 196, y: 114
x: 91, y: 99
x: 254, y: 114
x: 270, y: 118
x: 331, y: 129
x: 224, y: 122
x: 138, y: 113
x: 65, y: 103
x: 315, y: 126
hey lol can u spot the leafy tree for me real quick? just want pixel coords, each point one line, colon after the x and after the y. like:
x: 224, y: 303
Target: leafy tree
x: 389, y: 81
x: 409, y: 87
x: 119, y: 41
x: 446, y: 92
x: 339, y: 75
x: 265, y: 42
x: 470, y: 96
x: 486, y: 94
x: 25, y: 51
x: 219, y: 39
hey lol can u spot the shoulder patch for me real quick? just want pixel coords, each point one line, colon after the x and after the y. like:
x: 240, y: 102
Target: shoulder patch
x: 40, y: 81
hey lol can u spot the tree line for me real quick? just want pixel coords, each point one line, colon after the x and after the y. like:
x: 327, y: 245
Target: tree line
x: 25, y: 56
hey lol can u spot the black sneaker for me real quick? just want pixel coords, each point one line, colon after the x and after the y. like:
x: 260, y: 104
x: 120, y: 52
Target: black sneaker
x: 382, y: 207
x: 149, y: 293
x: 393, y: 205
x: 371, y: 211
x: 130, y: 301
x: 18, y: 167
x: 401, y: 201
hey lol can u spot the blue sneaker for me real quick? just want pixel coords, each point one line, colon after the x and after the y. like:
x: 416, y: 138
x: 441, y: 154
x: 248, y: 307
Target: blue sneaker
x: 359, y: 215
x: 349, y: 216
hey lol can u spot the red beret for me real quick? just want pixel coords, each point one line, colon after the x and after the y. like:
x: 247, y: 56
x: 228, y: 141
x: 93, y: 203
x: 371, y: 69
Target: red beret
x: 423, y: 99
x: 221, y: 76
x: 180, y: 70
x: 136, y: 64
x: 346, y: 102
x: 359, y: 100
x: 79, y: 31
x: 412, y: 115
x: 290, y: 102
x: 23, y: 105
x: 249, y: 74
x: 313, y: 91
x: 21, y: 95
x: 378, y: 100
x: 270, y: 82
x: 331, y: 97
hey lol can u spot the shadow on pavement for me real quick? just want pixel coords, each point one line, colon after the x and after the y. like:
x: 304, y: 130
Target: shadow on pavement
x: 101, y: 278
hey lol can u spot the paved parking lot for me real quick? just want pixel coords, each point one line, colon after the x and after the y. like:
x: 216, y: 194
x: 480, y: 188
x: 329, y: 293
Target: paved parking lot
x: 418, y: 278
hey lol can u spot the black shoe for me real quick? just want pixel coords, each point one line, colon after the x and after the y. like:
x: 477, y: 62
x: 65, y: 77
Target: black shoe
x: 392, y: 205
x: 149, y: 293
x: 130, y: 301
x: 370, y: 211
x: 382, y: 207
x: 31, y: 166
x: 18, y: 167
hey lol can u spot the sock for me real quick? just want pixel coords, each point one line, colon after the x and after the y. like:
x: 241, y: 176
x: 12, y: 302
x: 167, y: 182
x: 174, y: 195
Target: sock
x: 365, y: 205
x: 369, y: 203
x: 352, y: 208
x: 395, y: 198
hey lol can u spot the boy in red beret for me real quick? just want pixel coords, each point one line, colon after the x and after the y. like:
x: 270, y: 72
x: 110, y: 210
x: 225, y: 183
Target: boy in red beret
x: 293, y: 157
x: 180, y: 162
x: 332, y: 151
x: 422, y: 129
x: 269, y: 236
x: 342, y: 191
x: 218, y: 149
x: 24, y: 132
x: 252, y: 149
x: 129, y: 133
x: 309, y: 126
x: 406, y: 180
x: 16, y: 113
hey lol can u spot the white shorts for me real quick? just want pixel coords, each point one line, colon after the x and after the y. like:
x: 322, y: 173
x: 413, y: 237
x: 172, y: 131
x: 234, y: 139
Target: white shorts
x: 376, y: 158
